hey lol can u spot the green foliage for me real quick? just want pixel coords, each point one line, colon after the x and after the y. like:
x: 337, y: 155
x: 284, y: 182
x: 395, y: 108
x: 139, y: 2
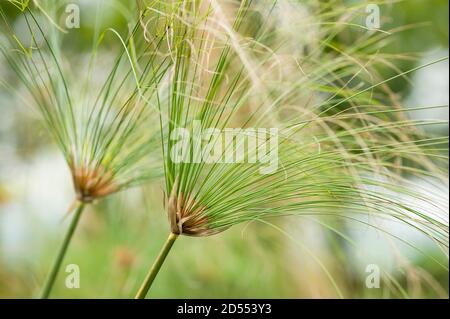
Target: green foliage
x: 345, y: 153
x: 103, y: 131
x: 348, y: 153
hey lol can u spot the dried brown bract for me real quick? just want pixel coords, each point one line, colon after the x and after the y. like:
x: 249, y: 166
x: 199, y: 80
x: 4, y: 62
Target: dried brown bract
x: 186, y: 216
x: 92, y: 182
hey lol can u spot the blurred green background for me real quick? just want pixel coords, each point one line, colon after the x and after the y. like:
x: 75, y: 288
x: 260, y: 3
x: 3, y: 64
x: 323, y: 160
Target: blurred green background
x: 119, y: 237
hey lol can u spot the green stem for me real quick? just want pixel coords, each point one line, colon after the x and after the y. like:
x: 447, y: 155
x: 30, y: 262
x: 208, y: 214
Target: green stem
x: 62, y: 251
x: 156, y: 266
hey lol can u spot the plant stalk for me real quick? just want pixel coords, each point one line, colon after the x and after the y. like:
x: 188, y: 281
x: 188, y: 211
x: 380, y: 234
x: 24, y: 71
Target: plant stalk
x: 156, y: 267
x: 62, y: 252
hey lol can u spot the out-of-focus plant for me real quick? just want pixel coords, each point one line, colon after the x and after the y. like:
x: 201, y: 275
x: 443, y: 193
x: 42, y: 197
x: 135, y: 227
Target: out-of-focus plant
x: 105, y: 133
x: 346, y: 148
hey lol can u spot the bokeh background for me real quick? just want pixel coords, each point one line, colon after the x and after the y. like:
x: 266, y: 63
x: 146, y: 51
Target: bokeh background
x: 119, y: 237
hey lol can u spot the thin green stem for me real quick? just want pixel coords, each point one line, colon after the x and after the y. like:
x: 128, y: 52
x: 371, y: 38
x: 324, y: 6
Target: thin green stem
x: 156, y: 266
x: 62, y: 252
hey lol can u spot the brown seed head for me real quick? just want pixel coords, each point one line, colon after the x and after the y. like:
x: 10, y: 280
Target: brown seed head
x: 124, y: 257
x: 186, y: 216
x: 92, y: 182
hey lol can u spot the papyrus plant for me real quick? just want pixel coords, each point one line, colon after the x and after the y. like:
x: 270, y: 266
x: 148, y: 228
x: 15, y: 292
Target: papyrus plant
x: 104, y: 132
x: 346, y: 148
